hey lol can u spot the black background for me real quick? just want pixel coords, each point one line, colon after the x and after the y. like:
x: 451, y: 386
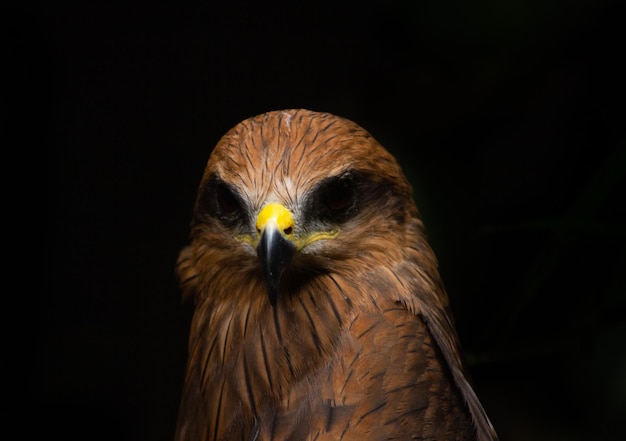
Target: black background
x: 508, y: 119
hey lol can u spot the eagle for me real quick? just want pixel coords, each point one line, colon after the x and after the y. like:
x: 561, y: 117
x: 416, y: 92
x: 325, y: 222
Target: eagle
x: 318, y: 309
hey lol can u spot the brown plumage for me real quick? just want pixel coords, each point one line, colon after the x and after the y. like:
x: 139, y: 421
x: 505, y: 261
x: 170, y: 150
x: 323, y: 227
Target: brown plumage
x: 319, y: 310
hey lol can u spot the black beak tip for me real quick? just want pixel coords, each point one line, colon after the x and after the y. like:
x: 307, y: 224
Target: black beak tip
x: 272, y: 293
x: 275, y: 253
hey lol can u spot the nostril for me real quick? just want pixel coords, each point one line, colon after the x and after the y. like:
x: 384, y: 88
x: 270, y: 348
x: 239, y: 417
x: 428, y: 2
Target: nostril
x: 288, y: 230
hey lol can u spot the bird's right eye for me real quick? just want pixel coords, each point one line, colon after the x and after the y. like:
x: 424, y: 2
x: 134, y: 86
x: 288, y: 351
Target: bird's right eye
x: 222, y: 202
x: 227, y: 203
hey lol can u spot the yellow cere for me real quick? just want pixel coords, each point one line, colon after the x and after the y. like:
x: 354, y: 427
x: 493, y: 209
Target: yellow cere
x: 278, y: 215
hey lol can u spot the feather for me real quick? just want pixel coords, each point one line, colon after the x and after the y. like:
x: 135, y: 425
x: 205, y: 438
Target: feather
x: 360, y: 343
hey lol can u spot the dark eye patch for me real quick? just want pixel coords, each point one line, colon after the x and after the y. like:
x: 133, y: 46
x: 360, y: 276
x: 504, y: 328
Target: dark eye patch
x: 340, y: 198
x: 228, y: 203
x: 220, y: 200
x: 336, y: 199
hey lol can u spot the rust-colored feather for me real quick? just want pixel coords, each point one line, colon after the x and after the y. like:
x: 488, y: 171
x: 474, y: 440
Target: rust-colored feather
x: 360, y: 344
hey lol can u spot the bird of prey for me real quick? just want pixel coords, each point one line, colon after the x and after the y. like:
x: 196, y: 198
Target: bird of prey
x: 319, y: 312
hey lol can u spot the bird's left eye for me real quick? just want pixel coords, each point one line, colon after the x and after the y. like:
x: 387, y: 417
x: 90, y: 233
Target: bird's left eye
x: 338, y: 198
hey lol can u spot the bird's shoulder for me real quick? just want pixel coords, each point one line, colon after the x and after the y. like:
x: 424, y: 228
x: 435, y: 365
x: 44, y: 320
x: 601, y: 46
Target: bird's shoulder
x: 385, y: 379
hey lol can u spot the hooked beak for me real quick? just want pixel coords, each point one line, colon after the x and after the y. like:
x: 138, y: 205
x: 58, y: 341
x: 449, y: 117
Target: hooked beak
x: 276, y: 247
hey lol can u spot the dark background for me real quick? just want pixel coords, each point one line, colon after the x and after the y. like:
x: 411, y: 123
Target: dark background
x: 508, y: 118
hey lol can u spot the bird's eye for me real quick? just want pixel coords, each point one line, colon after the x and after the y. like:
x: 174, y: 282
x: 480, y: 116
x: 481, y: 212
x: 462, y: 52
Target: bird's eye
x: 220, y: 201
x: 227, y: 203
x: 338, y: 198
